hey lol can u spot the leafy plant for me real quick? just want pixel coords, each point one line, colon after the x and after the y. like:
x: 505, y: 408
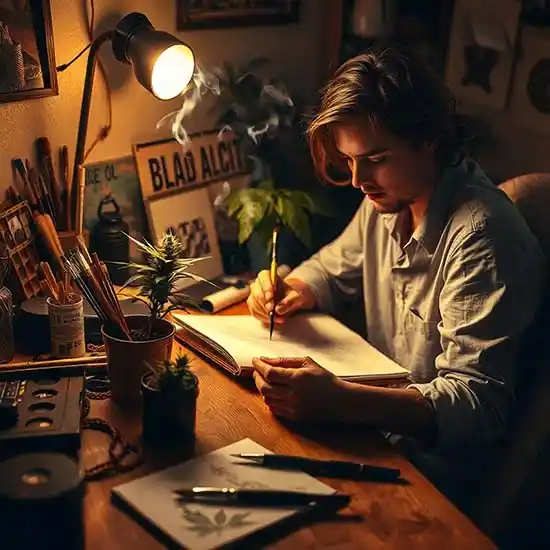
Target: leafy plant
x: 259, y: 209
x: 172, y: 376
x: 159, y: 276
x: 249, y: 103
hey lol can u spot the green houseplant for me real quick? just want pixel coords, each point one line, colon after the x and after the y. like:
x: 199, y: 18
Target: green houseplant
x: 260, y: 112
x: 258, y: 210
x: 169, y: 392
x: 157, y: 282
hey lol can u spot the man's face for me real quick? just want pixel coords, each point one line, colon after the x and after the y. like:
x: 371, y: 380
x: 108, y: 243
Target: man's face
x: 392, y: 173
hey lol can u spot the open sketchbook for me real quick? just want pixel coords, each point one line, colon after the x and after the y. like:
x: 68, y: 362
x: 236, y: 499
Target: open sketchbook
x: 204, y: 526
x: 231, y: 341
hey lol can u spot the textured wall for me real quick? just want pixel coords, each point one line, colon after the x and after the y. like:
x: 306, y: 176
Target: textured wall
x: 297, y: 54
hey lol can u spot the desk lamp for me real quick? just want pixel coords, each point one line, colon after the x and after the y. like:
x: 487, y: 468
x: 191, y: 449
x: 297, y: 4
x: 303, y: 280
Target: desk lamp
x: 162, y: 64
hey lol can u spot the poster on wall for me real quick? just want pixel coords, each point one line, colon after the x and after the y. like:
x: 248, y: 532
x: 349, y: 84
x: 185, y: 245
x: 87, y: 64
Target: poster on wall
x: 481, y: 52
x: 111, y: 184
x: 165, y: 168
x: 530, y: 99
x: 189, y: 215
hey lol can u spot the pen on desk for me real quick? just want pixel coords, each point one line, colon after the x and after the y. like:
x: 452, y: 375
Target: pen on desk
x: 326, y: 468
x: 270, y: 498
x: 273, y: 279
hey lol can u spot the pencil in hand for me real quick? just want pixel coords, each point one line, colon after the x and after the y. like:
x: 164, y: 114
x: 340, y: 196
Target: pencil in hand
x: 273, y: 280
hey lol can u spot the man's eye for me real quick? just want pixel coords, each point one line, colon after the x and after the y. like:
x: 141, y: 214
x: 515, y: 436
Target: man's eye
x: 378, y: 160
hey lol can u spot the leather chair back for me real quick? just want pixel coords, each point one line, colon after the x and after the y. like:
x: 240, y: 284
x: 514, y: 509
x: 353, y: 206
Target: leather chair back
x: 516, y: 489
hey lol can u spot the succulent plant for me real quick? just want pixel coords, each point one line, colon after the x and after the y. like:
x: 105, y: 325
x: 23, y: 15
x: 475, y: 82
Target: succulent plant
x: 172, y: 376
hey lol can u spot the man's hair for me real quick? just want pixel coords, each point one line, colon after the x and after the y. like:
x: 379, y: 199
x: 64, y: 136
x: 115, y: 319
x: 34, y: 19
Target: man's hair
x: 393, y: 91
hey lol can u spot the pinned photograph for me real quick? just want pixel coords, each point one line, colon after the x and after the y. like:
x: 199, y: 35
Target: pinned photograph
x: 481, y: 51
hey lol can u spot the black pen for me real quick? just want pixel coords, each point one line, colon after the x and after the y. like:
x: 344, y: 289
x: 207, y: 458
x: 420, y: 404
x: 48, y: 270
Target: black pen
x: 270, y: 498
x: 326, y: 468
x: 273, y: 279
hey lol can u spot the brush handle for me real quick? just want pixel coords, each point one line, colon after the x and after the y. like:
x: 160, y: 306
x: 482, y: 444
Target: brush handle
x: 64, y: 169
x: 45, y: 156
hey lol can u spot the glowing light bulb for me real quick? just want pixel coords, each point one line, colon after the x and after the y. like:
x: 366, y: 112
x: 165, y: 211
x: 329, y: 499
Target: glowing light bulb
x: 172, y: 72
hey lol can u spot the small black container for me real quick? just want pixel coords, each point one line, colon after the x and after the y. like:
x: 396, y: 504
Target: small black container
x: 109, y: 241
x: 168, y: 419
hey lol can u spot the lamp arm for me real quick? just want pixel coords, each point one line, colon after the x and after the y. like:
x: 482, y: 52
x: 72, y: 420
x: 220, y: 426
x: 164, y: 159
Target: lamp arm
x: 85, y: 114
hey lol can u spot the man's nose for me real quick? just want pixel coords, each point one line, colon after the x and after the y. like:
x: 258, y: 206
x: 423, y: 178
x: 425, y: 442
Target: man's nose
x: 359, y: 175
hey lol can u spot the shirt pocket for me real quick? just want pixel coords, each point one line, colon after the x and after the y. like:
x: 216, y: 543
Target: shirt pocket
x: 423, y: 344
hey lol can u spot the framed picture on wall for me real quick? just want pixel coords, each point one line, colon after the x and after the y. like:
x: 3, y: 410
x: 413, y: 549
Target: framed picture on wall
x: 113, y: 185
x: 189, y: 216
x: 216, y: 14
x: 27, y: 60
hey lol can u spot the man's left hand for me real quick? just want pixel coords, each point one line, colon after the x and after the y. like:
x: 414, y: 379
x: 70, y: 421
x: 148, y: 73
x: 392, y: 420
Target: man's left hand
x: 297, y: 388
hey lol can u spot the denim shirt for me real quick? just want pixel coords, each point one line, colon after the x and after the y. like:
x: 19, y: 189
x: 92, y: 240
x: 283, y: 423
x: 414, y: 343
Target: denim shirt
x: 449, y: 304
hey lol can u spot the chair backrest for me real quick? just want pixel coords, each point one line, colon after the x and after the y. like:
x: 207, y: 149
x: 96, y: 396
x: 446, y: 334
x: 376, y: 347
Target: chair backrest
x: 510, y: 491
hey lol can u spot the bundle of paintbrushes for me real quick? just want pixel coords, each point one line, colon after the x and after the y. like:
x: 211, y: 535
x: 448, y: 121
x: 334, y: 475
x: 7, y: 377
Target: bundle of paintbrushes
x: 92, y: 278
x: 60, y: 292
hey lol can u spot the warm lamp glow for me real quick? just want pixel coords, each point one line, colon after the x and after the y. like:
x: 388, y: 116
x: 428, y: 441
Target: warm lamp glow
x: 172, y: 71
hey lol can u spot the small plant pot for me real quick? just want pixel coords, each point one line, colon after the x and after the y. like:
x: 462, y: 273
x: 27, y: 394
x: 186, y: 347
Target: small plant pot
x: 127, y: 360
x: 168, y: 419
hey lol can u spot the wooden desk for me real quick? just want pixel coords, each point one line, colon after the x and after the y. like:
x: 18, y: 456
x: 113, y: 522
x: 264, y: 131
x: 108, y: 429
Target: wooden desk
x: 380, y: 516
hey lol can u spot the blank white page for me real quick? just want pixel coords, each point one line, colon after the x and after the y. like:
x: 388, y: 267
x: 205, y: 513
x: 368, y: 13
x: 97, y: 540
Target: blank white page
x: 317, y: 335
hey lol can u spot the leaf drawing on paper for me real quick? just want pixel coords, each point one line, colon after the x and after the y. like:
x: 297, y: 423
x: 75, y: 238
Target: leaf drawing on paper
x: 234, y: 480
x: 203, y: 525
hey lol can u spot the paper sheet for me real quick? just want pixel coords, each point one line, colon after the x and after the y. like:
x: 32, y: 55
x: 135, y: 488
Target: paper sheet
x: 319, y: 336
x: 206, y: 526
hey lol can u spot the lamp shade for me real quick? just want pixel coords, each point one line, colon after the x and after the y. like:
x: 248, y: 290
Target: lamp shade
x: 162, y: 63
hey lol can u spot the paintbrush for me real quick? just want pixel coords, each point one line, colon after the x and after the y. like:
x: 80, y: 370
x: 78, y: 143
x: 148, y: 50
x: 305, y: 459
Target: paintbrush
x: 28, y: 191
x: 44, y: 153
x: 64, y: 170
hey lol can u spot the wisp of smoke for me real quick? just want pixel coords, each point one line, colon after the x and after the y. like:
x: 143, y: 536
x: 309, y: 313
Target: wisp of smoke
x: 202, y: 82
x: 257, y: 108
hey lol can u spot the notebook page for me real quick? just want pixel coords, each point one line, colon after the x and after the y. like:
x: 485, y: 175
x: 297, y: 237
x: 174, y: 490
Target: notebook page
x: 319, y: 336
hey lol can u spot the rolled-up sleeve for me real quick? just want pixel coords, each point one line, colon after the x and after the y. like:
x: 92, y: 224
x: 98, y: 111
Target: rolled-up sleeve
x: 335, y: 272
x: 493, y: 287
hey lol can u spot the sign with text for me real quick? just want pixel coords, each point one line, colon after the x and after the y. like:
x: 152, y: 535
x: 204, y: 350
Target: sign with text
x: 115, y: 182
x: 166, y: 168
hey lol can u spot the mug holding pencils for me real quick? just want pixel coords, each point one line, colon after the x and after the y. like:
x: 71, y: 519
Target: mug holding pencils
x: 66, y: 315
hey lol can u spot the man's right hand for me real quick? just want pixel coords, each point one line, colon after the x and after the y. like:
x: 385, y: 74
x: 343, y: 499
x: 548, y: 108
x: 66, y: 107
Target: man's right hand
x: 292, y: 295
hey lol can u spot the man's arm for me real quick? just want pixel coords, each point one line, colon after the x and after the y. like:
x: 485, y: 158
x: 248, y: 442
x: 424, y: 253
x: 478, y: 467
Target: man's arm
x: 398, y: 410
x: 493, y: 286
x: 334, y: 274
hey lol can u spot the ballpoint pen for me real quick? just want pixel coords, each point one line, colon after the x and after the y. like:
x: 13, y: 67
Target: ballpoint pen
x: 270, y: 498
x: 327, y: 468
x: 273, y: 279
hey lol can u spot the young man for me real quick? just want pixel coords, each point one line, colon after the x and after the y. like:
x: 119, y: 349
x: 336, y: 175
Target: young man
x: 449, y: 273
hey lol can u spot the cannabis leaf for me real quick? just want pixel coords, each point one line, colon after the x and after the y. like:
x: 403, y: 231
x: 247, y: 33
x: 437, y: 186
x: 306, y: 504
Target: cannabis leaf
x: 203, y: 525
x: 259, y: 209
x: 220, y: 517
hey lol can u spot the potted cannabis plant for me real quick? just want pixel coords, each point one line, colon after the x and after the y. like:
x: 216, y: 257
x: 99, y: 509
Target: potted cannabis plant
x: 158, y: 283
x: 169, y: 391
x: 258, y: 210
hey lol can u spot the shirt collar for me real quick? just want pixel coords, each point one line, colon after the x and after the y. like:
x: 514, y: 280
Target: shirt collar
x: 428, y: 233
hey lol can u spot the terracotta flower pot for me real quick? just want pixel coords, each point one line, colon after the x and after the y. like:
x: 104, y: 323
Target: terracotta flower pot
x: 168, y: 418
x: 127, y: 360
